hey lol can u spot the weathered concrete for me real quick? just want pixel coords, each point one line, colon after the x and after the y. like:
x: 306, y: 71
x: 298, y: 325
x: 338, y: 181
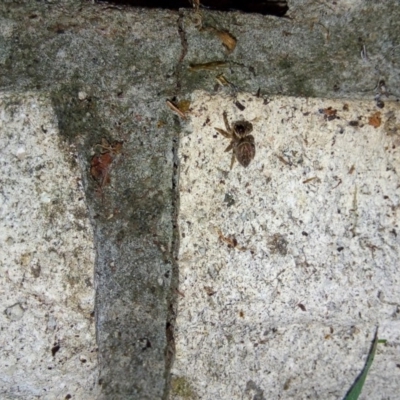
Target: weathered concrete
x: 108, y: 72
x: 287, y: 267
x: 96, y: 96
x: 47, y: 343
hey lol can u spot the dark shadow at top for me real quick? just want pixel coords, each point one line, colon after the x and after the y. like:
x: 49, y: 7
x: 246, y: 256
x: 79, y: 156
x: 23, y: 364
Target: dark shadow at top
x: 277, y: 8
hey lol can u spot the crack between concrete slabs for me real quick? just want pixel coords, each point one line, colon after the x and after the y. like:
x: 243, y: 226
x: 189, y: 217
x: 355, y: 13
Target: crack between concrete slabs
x: 172, y: 297
x: 182, y: 35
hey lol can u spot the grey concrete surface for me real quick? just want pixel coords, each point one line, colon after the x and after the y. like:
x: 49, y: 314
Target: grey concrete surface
x: 47, y: 342
x: 108, y: 71
x: 288, y: 266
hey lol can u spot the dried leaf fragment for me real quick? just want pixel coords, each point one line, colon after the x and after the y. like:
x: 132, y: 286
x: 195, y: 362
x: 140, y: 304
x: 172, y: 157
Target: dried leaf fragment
x: 310, y: 179
x: 302, y: 307
x: 227, y: 40
x: 329, y: 113
x: 239, y: 105
x: 222, y: 80
x: 184, y: 105
x: 100, y: 164
x: 175, y: 109
x: 230, y: 241
x: 114, y: 148
x: 99, y: 168
x: 208, y: 66
x: 375, y: 120
x: 209, y: 290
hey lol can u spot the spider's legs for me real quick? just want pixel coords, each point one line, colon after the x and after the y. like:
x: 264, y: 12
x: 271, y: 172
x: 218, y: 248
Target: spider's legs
x: 227, y: 126
x: 233, y: 159
x: 223, y: 133
x: 230, y: 147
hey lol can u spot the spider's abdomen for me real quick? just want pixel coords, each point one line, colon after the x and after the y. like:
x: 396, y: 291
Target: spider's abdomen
x: 245, y: 150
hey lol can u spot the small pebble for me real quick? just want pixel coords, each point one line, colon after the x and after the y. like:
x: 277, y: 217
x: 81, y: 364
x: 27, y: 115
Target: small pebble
x: 82, y: 95
x: 21, y: 153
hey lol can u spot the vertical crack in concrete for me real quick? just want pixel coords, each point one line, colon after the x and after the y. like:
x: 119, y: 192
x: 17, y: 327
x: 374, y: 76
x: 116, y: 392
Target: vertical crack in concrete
x: 172, y: 297
x: 182, y: 35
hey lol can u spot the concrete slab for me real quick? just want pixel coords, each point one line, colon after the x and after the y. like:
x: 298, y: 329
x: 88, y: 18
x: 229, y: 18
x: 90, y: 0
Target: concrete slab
x: 128, y: 62
x: 47, y: 341
x: 287, y: 267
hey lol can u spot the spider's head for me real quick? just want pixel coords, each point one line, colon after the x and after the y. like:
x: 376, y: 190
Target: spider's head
x: 242, y: 128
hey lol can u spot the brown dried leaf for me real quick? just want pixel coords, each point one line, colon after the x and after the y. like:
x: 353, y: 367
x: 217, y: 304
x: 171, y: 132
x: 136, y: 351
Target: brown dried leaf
x: 208, y: 66
x: 99, y: 168
x: 375, y: 120
x: 329, y: 113
x: 184, y: 105
x: 227, y: 40
x: 231, y: 241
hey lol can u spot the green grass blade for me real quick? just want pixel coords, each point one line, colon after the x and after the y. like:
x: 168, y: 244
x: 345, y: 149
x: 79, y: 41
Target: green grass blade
x: 358, y: 384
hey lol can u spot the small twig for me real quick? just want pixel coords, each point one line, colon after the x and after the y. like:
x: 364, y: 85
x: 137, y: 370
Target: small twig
x: 231, y: 242
x: 175, y: 109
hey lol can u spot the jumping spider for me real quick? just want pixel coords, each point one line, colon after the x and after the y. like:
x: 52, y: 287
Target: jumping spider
x: 242, y: 143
